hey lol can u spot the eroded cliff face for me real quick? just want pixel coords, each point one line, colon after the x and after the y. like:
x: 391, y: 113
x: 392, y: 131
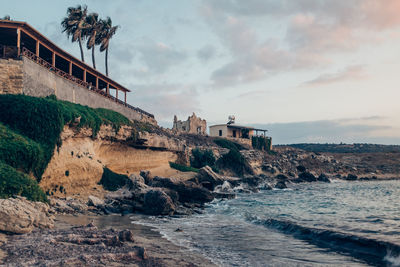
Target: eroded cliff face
x: 77, y: 166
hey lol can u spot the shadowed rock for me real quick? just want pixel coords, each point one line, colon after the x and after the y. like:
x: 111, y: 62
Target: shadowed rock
x: 157, y: 202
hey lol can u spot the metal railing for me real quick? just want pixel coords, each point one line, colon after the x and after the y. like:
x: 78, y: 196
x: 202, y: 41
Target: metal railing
x: 32, y: 56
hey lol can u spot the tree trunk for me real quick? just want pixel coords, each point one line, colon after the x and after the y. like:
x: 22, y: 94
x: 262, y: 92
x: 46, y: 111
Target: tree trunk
x: 93, y: 60
x: 80, y: 46
x: 107, y: 61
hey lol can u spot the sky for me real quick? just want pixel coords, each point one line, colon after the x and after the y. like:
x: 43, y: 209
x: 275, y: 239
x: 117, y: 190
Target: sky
x: 318, y: 71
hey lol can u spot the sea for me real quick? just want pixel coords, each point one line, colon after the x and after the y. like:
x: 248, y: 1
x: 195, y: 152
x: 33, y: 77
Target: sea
x: 314, y: 224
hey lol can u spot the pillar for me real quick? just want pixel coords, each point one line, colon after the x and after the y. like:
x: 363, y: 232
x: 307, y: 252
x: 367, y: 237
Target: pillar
x: 108, y: 89
x: 37, y: 48
x: 53, y: 59
x: 84, y: 75
x: 70, y: 68
x: 19, y: 41
x: 116, y: 93
x: 97, y: 82
x: 125, y: 97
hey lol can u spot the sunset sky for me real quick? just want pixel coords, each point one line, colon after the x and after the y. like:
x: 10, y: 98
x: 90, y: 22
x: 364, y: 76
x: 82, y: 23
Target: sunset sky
x: 306, y: 70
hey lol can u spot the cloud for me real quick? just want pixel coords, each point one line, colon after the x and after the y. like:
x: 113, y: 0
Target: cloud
x: 166, y: 100
x: 158, y: 57
x: 206, y: 53
x: 316, y: 31
x: 363, y: 130
x: 356, y: 72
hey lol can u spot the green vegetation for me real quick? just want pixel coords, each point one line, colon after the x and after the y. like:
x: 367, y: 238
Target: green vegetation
x: 201, y: 158
x: 261, y: 143
x: 233, y: 160
x: 348, y: 148
x: 182, y: 168
x: 13, y: 182
x: 30, y: 129
x: 225, y: 143
x: 113, y: 181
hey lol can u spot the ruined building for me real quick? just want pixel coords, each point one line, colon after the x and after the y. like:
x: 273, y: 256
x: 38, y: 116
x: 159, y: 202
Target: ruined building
x: 193, y: 125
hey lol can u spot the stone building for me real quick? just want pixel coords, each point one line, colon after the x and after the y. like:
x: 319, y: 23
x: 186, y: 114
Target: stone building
x: 193, y: 125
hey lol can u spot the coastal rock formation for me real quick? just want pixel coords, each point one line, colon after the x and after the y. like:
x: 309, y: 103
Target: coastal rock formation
x: 20, y: 216
x: 157, y: 202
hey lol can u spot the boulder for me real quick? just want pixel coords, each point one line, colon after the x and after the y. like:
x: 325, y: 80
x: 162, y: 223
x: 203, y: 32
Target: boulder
x: 266, y: 187
x: 136, y: 178
x: 307, y: 177
x: 351, y: 177
x: 20, y: 216
x: 323, y: 178
x: 157, y: 202
x: 301, y: 168
x: 188, y: 191
x: 281, y: 177
x: 280, y: 185
x: 206, y: 174
x: 95, y: 201
x: 147, y: 176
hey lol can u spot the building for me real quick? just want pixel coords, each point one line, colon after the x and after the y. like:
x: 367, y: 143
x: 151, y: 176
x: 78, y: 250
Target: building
x: 31, y: 64
x: 193, y: 125
x: 239, y: 133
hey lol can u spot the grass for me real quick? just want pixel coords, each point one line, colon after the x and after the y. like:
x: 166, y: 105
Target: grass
x: 13, y: 182
x: 30, y: 129
x: 113, y: 181
x: 182, y: 168
x: 225, y: 143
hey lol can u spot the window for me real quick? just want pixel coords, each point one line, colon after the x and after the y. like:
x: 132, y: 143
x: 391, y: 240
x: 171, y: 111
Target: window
x: 234, y: 133
x: 220, y: 132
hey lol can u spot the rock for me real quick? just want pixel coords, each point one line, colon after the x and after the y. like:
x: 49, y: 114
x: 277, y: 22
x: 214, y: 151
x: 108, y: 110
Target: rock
x: 307, y: 177
x: 220, y: 195
x: 266, y: 187
x: 126, y: 236
x: 351, y: 177
x: 20, y: 216
x: 137, y: 179
x: 206, y: 174
x: 95, y: 201
x: 188, y: 191
x: 323, y: 178
x: 157, y: 202
x: 280, y: 185
x: 301, y: 168
x: 281, y: 177
x: 147, y: 176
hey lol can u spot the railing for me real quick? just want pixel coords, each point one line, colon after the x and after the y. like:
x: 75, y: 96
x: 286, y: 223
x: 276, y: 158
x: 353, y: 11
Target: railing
x: 28, y: 54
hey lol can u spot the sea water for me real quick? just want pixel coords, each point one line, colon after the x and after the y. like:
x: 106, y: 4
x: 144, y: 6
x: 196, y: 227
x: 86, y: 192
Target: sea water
x: 316, y: 224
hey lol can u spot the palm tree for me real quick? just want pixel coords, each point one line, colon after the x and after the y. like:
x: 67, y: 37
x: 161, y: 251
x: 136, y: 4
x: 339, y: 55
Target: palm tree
x: 74, y: 24
x: 93, y: 30
x: 106, y: 33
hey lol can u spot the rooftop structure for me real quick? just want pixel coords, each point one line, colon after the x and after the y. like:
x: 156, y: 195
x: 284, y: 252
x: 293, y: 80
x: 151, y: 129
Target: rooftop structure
x: 19, y: 39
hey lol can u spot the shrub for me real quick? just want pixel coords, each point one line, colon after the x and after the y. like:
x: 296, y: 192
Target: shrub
x: 201, y: 158
x: 225, y: 143
x: 113, y: 181
x: 234, y: 161
x: 182, y: 168
x: 13, y: 182
x: 261, y: 143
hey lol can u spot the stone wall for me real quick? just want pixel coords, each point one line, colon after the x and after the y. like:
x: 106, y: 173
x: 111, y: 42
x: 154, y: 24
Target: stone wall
x: 193, y: 125
x: 11, y: 76
x: 29, y: 78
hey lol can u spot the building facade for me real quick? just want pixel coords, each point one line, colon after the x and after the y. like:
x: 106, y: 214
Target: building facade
x: 193, y: 125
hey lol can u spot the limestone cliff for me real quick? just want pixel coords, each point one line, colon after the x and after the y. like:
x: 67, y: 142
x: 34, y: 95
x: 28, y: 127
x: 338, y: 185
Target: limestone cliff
x: 77, y: 166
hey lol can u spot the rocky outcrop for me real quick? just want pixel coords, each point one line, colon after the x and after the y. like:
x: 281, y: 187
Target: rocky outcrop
x: 208, y: 178
x: 20, y: 216
x: 157, y: 202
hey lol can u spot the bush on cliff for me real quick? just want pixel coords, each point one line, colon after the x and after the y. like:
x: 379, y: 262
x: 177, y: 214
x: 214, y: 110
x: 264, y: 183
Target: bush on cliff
x: 113, y: 181
x: 201, y: 158
x: 225, y: 143
x: 13, y: 182
x: 233, y: 160
x: 40, y: 122
x: 182, y: 168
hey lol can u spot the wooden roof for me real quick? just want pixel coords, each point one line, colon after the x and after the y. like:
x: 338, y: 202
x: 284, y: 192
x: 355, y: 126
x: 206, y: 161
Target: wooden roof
x: 33, y: 33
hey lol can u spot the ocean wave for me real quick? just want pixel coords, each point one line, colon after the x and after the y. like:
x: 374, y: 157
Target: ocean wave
x: 370, y: 251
